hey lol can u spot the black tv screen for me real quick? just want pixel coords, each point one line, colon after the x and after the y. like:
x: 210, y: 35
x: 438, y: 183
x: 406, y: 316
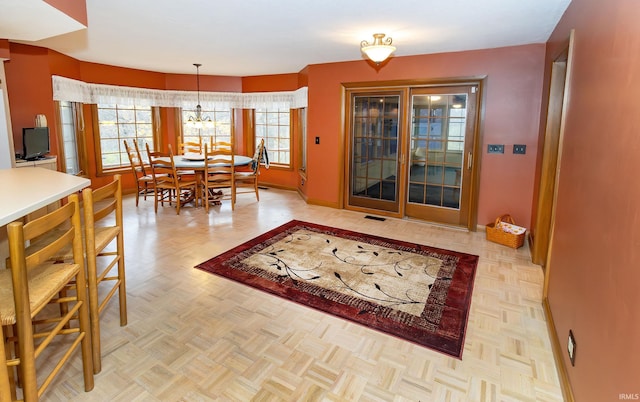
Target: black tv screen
x: 35, y: 141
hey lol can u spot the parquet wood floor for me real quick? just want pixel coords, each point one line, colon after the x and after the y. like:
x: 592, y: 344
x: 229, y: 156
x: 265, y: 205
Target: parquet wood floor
x: 193, y: 336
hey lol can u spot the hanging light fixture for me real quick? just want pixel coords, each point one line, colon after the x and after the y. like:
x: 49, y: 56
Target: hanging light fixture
x: 198, y: 120
x: 379, y: 50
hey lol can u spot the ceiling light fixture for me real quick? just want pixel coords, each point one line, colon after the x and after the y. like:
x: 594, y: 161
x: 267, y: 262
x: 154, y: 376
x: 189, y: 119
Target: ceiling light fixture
x: 198, y: 120
x: 379, y: 50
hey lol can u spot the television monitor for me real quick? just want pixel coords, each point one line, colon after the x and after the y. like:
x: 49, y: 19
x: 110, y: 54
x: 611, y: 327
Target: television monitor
x: 35, y: 141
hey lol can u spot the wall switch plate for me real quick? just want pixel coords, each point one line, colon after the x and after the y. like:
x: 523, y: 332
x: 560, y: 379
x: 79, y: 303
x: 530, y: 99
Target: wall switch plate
x: 495, y: 149
x: 317, y: 140
x: 571, y: 348
x: 519, y: 149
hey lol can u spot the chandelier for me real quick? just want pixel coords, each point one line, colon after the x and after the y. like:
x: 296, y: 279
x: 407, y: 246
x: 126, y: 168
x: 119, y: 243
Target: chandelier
x: 379, y: 50
x: 198, y: 121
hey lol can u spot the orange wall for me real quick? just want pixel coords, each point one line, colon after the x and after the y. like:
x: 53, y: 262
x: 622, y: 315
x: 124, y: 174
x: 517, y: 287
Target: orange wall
x: 270, y: 83
x: 112, y: 75
x: 214, y: 83
x: 512, y: 106
x: 595, y: 258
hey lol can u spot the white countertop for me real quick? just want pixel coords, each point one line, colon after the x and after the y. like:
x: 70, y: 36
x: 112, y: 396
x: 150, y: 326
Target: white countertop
x: 28, y: 189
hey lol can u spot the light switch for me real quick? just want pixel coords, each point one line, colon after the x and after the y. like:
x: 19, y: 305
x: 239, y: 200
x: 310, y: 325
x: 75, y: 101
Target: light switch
x: 520, y: 149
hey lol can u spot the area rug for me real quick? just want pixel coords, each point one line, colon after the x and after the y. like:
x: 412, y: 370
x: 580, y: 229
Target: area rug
x: 415, y: 292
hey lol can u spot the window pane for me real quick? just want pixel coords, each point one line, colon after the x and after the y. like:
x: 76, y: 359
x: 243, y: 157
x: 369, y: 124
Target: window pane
x: 109, y: 146
x: 274, y: 127
x: 143, y: 131
x: 127, y: 130
x: 143, y: 116
x: 117, y: 123
x: 216, y: 126
x: 106, y: 116
x: 108, y: 130
x: 126, y: 116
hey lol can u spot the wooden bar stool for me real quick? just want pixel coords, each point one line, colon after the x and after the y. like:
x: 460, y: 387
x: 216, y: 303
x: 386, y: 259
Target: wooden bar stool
x: 34, y: 282
x: 103, y: 227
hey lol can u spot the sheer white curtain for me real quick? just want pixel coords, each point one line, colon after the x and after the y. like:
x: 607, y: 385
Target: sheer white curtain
x: 275, y: 100
x: 67, y: 89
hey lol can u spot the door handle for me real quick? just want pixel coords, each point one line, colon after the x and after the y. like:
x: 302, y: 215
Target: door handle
x: 469, y: 160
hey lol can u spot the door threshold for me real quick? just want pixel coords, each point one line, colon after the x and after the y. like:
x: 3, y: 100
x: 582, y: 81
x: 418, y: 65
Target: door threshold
x: 438, y: 224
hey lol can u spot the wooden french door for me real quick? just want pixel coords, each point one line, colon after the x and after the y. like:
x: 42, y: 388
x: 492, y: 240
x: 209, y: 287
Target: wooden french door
x: 375, y: 142
x: 441, y: 153
x: 411, y: 151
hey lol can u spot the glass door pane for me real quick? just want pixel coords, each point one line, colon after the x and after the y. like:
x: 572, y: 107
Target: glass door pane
x: 374, y: 151
x: 437, y: 149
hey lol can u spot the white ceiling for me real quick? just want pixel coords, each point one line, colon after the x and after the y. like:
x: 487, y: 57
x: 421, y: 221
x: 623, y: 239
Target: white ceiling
x: 258, y: 37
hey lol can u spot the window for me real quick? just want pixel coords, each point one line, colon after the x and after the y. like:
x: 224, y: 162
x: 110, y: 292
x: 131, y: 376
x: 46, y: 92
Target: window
x: 218, y: 130
x: 116, y: 123
x: 274, y: 126
x: 303, y: 139
x: 71, y: 127
x: 69, y: 143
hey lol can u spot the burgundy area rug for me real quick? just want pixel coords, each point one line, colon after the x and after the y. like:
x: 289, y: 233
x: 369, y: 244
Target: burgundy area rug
x: 416, y: 292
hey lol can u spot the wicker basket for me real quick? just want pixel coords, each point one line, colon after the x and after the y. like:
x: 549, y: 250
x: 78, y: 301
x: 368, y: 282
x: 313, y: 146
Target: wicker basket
x: 497, y: 235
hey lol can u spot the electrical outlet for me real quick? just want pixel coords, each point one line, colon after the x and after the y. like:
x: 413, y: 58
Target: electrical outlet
x: 519, y: 149
x: 495, y: 149
x: 571, y: 348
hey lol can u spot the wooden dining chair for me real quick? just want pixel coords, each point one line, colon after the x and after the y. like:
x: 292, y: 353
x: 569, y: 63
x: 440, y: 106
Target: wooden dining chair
x: 248, y: 179
x: 218, y: 175
x: 167, y: 184
x: 143, y: 179
x: 32, y: 283
x: 221, y: 145
x: 190, y: 147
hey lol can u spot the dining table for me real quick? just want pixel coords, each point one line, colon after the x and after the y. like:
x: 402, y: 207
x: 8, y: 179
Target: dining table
x: 195, y: 162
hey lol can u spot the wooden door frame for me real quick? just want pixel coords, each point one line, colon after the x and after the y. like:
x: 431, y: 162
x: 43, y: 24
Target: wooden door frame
x: 540, y: 236
x: 474, y: 184
x: 554, y: 201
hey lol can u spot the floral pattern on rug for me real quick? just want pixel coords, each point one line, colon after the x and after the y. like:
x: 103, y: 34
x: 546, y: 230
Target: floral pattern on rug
x: 409, y: 290
x: 354, y: 272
